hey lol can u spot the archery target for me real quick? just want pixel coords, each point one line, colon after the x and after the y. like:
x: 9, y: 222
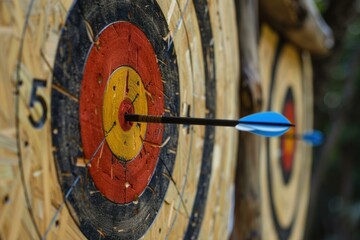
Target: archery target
x: 95, y: 61
x: 285, y: 162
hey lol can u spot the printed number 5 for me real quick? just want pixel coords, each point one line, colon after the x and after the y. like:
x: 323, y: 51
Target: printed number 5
x: 39, y: 99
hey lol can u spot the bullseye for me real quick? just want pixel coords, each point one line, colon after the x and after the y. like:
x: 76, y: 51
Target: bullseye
x: 124, y: 92
x: 126, y: 107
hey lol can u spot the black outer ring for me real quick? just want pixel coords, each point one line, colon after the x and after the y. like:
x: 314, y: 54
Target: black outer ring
x: 93, y: 212
x: 198, y: 211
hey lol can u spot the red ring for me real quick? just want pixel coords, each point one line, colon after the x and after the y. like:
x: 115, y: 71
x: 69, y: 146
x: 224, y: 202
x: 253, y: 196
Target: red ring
x: 288, y: 140
x: 120, y: 44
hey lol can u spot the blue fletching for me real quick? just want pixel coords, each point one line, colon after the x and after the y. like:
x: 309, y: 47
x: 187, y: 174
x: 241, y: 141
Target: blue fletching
x: 268, y: 117
x: 315, y: 138
x: 268, y: 124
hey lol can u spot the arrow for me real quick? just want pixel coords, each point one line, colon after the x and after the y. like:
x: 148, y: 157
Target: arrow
x: 314, y: 138
x: 268, y: 124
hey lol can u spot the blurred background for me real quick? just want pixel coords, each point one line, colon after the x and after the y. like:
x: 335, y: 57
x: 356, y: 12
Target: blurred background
x: 334, y: 211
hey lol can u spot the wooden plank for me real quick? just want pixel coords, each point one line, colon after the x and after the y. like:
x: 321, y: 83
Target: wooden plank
x: 300, y: 22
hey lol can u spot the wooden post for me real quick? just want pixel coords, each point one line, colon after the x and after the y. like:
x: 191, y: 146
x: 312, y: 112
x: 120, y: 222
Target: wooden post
x: 247, y: 188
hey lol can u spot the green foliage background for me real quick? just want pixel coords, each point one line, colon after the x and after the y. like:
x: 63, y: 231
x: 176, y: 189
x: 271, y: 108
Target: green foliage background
x: 335, y: 205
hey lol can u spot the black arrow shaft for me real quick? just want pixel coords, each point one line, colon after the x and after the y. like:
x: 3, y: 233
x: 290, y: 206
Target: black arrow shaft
x: 195, y: 121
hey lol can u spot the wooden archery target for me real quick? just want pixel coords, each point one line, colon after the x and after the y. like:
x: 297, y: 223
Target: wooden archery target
x: 83, y: 171
x: 285, y: 162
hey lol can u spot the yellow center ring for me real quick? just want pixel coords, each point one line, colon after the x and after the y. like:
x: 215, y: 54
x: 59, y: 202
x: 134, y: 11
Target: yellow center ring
x: 124, y: 93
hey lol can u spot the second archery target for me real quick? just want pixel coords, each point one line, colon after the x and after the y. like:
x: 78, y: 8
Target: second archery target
x: 285, y: 163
